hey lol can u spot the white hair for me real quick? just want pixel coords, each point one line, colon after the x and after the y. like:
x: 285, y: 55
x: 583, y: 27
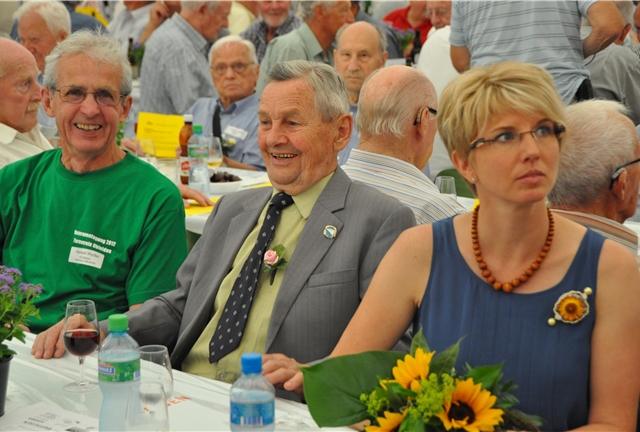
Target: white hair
x: 98, y: 46
x: 233, y: 39
x: 626, y: 8
x: 190, y: 5
x: 394, y: 113
x: 329, y: 91
x: 382, y: 36
x: 54, y: 14
x: 306, y: 8
x: 598, y: 141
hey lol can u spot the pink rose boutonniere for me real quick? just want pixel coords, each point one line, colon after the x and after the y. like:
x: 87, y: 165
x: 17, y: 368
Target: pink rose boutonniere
x: 274, y: 260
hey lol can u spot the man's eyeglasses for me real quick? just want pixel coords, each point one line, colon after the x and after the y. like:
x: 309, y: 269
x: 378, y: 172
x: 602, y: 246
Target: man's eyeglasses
x: 543, y: 134
x: 221, y: 69
x: 619, y: 170
x: 431, y: 110
x: 76, y: 95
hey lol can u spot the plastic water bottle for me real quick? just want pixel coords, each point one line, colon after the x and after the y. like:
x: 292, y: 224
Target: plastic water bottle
x: 252, y: 398
x: 198, y: 147
x: 118, y: 371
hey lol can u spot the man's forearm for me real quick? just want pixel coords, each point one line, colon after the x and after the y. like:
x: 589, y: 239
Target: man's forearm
x: 597, y: 41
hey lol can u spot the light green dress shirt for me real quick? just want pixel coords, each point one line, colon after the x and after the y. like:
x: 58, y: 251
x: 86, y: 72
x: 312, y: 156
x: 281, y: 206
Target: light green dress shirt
x: 300, y: 44
x: 290, y: 226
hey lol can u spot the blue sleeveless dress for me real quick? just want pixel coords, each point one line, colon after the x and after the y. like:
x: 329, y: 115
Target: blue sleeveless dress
x: 549, y: 364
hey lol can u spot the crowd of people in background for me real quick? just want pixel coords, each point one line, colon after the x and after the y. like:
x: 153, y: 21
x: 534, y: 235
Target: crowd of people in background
x: 533, y: 106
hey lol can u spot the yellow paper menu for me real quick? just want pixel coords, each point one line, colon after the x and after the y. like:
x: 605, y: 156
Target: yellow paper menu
x: 163, y: 129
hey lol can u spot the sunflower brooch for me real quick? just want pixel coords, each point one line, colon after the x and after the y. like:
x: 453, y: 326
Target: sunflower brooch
x: 571, y: 307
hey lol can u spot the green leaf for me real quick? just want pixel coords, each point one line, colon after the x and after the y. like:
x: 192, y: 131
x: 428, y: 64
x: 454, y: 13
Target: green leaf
x: 395, y: 400
x: 332, y: 388
x: 419, y: 341
x: 280, y: 250
x: 443, y: 362
x: 488, y: 376
x: 398, y: 395
x: 411, y: 424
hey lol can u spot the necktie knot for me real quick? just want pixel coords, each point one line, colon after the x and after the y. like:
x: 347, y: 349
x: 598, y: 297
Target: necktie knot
x: 281, y: 200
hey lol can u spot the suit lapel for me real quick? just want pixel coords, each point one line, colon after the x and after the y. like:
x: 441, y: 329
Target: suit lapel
x: 239, y: 228
x: 311, y: 248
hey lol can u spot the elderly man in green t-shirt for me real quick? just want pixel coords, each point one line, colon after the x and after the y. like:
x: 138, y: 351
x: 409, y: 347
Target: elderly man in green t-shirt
x: 89, y: 221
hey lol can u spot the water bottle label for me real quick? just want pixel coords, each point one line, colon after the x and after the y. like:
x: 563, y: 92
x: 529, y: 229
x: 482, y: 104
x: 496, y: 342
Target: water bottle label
x: 198, y: 152
x: 244, y: 414
x: 119, y: 371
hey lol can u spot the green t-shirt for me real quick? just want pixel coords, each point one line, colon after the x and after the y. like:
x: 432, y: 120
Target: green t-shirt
x: 115, y: 236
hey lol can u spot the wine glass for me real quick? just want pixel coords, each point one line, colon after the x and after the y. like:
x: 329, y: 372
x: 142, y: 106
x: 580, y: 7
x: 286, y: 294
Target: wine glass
x: 147, y: 408
x: 155, y: 366
x: 447, y: 186
x: 215, y: 153
x: 81, y: 336
x: 146, y: 150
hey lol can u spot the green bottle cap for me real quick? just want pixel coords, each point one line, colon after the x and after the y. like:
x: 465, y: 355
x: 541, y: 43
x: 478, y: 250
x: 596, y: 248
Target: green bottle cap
x: 197, y: 129
x: 118, y: 322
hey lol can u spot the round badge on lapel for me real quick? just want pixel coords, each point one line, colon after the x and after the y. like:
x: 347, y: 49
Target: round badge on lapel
x: 330, y: 232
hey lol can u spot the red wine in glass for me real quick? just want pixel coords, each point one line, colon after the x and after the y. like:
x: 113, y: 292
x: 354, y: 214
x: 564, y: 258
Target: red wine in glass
x: 81, y: 342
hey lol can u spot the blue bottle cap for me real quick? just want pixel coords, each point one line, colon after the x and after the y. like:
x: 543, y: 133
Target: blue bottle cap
x: 251, y: 363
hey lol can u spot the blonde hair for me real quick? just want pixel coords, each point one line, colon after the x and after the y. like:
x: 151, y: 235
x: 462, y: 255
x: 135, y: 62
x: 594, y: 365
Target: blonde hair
x: 481, y: 94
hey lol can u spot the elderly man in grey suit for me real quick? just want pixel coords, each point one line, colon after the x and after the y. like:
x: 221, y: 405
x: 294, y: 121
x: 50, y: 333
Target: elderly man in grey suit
x: 322, y: 235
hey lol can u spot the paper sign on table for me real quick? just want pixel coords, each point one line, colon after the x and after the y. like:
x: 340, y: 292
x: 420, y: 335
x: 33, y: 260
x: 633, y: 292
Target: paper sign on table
x: 163, y: 129
x: 44, y: 417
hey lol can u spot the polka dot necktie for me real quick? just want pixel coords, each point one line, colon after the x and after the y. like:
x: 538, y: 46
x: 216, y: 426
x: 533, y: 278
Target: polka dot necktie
x: 231, y: 326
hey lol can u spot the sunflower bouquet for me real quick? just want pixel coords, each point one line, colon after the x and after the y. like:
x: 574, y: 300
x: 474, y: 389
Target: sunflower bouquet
x: 424, y: 394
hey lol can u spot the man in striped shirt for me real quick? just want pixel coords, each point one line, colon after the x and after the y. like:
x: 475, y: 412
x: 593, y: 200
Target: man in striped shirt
x: 397, y: 124
x: 599, y: 172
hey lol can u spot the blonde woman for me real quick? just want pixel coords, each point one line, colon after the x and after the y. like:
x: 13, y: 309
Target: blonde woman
x: 495, y: 275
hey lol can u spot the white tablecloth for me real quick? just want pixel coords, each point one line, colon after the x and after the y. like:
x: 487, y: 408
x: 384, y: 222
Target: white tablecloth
x: 198, y: 403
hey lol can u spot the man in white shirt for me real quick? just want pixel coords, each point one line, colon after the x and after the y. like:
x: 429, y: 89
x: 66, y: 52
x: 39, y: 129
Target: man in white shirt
x: 397, y: 122
x: 21, y: 98
x: 436, y: 64
x: 41, y: 26
x: 130, y: 22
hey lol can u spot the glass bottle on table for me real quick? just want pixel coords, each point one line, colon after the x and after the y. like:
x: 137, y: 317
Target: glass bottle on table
x: 185, y: 133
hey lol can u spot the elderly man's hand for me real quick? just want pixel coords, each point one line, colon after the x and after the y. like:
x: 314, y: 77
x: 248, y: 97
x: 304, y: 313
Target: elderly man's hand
x: 283, y: 372
x: 158, y: 13
x: 188, y: 193
x: 49, y: 343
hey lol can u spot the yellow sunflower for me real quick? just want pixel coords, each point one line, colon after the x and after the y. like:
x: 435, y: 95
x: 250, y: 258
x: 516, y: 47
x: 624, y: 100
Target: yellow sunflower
x: 389, y: 423
x: 412, y: 369
x: 470, y: 408
x: 571, y: 307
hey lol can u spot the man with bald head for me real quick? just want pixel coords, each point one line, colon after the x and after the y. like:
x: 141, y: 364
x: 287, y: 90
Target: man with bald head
x: 397, y: 124
x: 599, y: 172
x: 360, y: 51
x: 21, y: 98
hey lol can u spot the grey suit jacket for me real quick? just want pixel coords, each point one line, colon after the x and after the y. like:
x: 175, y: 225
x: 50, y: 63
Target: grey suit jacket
x: 323, y: 284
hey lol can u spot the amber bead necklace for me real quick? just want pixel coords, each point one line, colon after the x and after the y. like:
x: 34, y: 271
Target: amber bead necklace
x: 486, y: 273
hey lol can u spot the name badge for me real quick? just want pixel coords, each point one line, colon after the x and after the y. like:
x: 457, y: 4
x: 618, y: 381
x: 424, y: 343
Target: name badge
x: 86, y: 257
x: 236, y: 132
